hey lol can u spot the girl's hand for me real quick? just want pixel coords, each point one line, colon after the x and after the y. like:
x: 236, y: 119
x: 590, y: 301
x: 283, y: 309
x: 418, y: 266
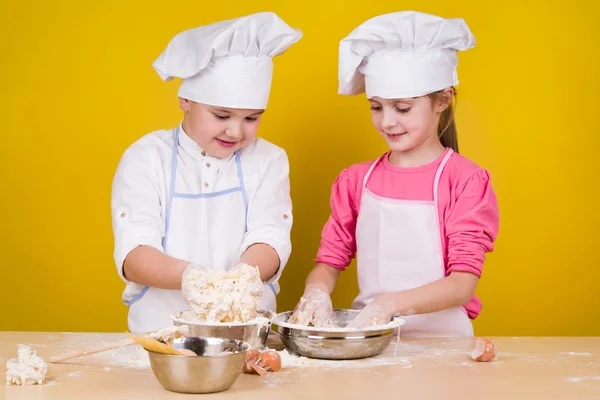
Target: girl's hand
x: 313, y: 309
x: 379, y: 312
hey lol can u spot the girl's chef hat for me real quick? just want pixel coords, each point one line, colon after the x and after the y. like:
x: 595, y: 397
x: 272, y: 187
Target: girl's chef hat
x: 402, y: 55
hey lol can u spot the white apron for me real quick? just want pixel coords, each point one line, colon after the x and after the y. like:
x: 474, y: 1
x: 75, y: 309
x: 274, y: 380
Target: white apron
x: 399, y: 248
x: 206, y: 229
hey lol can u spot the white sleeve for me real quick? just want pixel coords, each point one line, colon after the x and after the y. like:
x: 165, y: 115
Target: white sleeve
x: 270, y: 212
x: 135, y: 205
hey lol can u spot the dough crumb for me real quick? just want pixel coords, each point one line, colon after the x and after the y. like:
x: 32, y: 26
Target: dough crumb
x: 27, y: 369
x: 168, y: 335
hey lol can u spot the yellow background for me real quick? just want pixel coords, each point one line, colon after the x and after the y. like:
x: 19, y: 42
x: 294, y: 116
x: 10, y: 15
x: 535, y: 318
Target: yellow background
x: 78, y: 88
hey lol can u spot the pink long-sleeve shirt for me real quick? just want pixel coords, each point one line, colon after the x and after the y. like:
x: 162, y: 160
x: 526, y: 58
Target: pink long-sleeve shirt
x: 468, y: 211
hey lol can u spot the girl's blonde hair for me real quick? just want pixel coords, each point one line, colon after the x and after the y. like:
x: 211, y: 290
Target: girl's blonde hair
x: 447, y: 126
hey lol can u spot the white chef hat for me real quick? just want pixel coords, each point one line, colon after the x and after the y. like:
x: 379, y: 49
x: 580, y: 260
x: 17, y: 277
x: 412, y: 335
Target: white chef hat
x: 228, y: 63
x: 402, y: 55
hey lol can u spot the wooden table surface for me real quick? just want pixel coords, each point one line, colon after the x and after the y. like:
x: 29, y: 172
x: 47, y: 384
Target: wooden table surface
x: 415, y: 368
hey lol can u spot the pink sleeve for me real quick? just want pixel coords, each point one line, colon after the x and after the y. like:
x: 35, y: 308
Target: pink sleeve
x: 472, y: 225
x: 338, y: 242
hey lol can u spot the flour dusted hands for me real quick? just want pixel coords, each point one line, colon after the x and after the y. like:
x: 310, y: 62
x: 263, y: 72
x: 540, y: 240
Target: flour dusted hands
x: 379, y: 312
x: 218, y: 295
x: 313, y: 309
x: 188, y: 280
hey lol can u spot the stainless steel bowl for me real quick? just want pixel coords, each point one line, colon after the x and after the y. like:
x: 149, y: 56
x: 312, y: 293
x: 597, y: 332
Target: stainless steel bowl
x: 329, y: 344
x: 254, y: 332
x: 216, y: 367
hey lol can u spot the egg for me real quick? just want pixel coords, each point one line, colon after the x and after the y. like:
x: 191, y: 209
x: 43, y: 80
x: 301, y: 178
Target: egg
x: 251, y: 358
x: 262, y: 362
x: 484, y: 351
x: 271, y: 359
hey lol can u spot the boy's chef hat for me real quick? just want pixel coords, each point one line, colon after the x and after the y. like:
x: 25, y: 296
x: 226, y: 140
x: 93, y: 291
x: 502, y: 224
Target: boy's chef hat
x: 228, y: 63
x: 402, y: 55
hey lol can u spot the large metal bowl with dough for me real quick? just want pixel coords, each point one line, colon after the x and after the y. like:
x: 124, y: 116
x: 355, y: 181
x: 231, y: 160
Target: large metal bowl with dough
x: 215, y: 368
x: 336, y: 343
x: 254, y: 332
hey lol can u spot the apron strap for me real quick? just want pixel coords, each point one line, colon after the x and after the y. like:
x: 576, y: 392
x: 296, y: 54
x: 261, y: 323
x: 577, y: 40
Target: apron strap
x: 436, y: 182
x: 171, y: 188
x: 240, y: 172
x: 371, y: 168
x: 438, y: 173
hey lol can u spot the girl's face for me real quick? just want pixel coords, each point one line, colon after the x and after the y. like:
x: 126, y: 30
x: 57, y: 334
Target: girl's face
x: 407, y: 124
x: 217, y: 130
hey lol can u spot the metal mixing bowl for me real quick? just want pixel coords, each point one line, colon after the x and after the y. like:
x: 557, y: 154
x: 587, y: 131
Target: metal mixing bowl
x: 319, y: 343
x: 254, y: 333
x: 209, y: 372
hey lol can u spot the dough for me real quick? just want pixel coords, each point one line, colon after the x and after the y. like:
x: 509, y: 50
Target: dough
x: 26, y: 369
x: 171, y: 333
x: 224, y: 296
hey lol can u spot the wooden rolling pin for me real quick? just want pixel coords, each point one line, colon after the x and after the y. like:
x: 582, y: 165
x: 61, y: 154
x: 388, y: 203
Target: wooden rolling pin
x: 145, y: 341
x: 92, y: 350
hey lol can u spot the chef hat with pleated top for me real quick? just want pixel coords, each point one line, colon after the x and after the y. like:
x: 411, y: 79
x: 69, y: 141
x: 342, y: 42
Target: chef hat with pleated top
x: 402, y: 55
x: 228, y: 63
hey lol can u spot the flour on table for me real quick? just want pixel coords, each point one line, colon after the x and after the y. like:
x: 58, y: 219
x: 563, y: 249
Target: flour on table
x: 27, y: 369
x: 289, y: 360
x: 584, y: 378
x: 132, y: 357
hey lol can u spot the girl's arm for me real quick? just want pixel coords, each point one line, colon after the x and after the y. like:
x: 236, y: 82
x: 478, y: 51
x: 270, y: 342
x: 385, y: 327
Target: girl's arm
x: 338, y: 246
x: 454, y: 290
x: 322, y: 277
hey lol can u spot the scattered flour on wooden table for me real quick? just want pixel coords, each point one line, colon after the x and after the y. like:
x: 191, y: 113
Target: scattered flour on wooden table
x: 584, y: 378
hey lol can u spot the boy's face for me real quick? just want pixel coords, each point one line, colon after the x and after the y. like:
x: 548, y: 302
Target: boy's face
x: 219, y: 131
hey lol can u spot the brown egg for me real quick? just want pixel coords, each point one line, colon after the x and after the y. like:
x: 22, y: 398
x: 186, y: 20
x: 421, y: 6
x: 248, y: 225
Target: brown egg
x: 251, y: 359
x: 484, y: 351
x: 271, y: 359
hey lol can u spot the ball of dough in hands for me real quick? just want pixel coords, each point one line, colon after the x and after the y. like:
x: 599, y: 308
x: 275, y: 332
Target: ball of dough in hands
x: 217, y: 295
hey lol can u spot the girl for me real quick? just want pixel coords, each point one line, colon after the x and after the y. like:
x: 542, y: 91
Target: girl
x: 421, y: 217
x: 208, y: 192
